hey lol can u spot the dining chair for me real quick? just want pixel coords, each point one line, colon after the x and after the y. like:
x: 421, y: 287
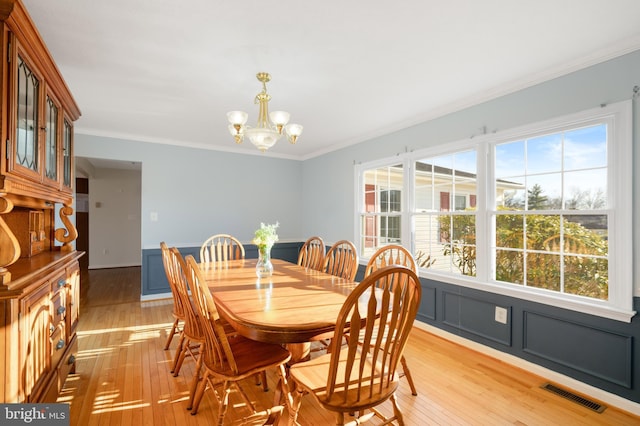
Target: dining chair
x: 221, y: 247
x: 359, y: 376
x: 394, y: 254
x: 312, y: 254
x: 342, y: 260
x: 178, y: 309
x: 192, y: 336
x: 228, y: 359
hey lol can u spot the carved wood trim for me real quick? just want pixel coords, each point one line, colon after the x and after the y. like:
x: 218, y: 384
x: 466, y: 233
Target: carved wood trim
x: 9, y: 246
x: 69, y: 233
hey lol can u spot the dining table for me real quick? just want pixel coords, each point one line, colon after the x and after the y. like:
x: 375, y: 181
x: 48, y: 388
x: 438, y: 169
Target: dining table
x: 294, y: 306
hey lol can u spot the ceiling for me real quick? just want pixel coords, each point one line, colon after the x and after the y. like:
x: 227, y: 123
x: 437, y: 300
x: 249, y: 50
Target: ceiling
x: 167, y: 71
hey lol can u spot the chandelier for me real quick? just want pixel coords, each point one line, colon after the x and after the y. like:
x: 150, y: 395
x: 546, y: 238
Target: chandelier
x: 270, y: 126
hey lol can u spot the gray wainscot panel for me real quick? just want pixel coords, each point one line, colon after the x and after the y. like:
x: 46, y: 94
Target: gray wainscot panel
x: 475, y: 316
x: 591, y: 350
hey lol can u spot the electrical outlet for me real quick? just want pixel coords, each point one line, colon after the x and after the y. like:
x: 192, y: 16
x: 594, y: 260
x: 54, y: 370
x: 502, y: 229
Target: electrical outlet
x: 501, y: 315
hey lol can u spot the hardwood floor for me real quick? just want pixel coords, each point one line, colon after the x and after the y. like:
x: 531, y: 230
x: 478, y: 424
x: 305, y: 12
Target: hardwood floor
x: 123, y: 375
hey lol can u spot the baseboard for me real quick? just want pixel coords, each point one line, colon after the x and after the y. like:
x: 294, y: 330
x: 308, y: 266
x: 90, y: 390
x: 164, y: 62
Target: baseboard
x: 114, y: 266
x: 576, y: 385
x: 149, y: 297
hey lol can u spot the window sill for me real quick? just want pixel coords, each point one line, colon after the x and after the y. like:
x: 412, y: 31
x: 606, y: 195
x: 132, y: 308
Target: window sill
x: 600, y: 309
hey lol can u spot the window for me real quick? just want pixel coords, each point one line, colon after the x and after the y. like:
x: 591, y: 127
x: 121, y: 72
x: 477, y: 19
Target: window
x: 541, y: 212
x: 380, y: 220
x: 552, y: 230
x: 445, y: 229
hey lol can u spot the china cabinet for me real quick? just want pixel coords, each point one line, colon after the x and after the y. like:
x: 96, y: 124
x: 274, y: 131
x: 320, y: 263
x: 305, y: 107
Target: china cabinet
x: 39, y: 272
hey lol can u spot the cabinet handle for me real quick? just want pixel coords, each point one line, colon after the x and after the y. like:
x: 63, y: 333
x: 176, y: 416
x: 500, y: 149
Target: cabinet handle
x: 60, y: 344
x: 71, y: 360
x: 61, y: 310
x: 61, y: 283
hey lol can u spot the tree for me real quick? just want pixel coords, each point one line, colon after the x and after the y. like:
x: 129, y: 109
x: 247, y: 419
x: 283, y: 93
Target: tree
x: 554, y: 247
x: 584, y: 264
x: 586, y: 200
x: 535, y: 199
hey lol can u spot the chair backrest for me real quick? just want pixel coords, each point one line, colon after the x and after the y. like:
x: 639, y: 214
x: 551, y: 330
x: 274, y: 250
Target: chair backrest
x: 192, y: 325
x: 390, y: 255
x: 312, y: 254
x: 342, y: 260
x: 388, y: 299
x: 217, y: 354
x: 221, y: 247
x: 178, y: 309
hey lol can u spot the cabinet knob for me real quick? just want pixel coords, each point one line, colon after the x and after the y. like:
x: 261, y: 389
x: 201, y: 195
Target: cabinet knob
x: 61, y: 310
x: 60, y: 344
x: 52, y: 328
x: 71, y: 359
x: 61, y: 283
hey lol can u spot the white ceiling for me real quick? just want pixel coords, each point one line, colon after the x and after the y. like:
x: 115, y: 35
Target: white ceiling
x: 167, y: 71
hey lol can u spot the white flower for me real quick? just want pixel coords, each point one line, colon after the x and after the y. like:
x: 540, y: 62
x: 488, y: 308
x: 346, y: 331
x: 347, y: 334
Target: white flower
x: 266, y: 235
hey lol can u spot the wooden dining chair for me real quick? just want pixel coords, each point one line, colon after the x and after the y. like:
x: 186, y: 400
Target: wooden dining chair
x: 342, y: 260
x: 178, y: 309
x: 394, y: 254
x: 192, y: 336
x: 227, y: 360
x: 221, y: 247
x: 361, y: 375
x: 312, y: 254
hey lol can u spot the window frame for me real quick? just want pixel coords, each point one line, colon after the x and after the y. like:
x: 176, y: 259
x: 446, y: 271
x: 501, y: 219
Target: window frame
x: 619, y: 305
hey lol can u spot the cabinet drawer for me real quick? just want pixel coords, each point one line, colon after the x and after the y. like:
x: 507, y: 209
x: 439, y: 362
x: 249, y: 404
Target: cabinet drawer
x: 58, y: 344
x: 58, y: 283
x: 59, y: 309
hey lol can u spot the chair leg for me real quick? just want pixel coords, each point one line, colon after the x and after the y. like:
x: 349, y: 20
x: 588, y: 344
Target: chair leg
x: 295, y: 406
x: 174, y: 330
x: 196, y: 379
x: 197, y: 397
x: 407, y: 373
x: 396, y: 410
x: 224, y: 402
x: 178, y: 352
x: 181, y: 357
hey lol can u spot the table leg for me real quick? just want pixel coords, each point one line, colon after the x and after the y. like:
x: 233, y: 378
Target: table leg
x: 299, y: 352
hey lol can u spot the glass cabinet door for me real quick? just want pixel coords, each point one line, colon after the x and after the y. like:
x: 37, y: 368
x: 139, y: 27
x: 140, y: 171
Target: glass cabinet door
x: 27, y: 93
x: 51, y: 140
x: 67, y: 155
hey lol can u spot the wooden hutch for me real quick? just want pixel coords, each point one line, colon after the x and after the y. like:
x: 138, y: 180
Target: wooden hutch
x: 39, y: 270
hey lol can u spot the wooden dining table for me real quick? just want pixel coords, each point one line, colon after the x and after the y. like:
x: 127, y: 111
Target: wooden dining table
x: 294, y: 306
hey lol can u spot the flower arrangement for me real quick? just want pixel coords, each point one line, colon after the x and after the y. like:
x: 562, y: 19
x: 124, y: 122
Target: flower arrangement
x: 266, y: 236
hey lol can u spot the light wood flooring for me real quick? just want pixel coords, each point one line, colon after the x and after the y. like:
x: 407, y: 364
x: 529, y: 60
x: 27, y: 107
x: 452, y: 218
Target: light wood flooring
x: 123, y: 375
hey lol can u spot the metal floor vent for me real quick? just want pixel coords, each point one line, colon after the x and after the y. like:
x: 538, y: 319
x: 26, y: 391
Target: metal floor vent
x: 592, y: 405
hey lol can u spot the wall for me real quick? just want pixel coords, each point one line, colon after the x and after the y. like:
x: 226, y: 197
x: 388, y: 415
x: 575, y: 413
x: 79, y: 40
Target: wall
x: 197, y: 193
x: 115, y: 201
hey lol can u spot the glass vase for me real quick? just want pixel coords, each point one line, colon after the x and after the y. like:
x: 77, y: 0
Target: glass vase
x: 264, y: 267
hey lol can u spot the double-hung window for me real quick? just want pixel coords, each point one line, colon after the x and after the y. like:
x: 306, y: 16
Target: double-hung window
x: 541, y: 212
